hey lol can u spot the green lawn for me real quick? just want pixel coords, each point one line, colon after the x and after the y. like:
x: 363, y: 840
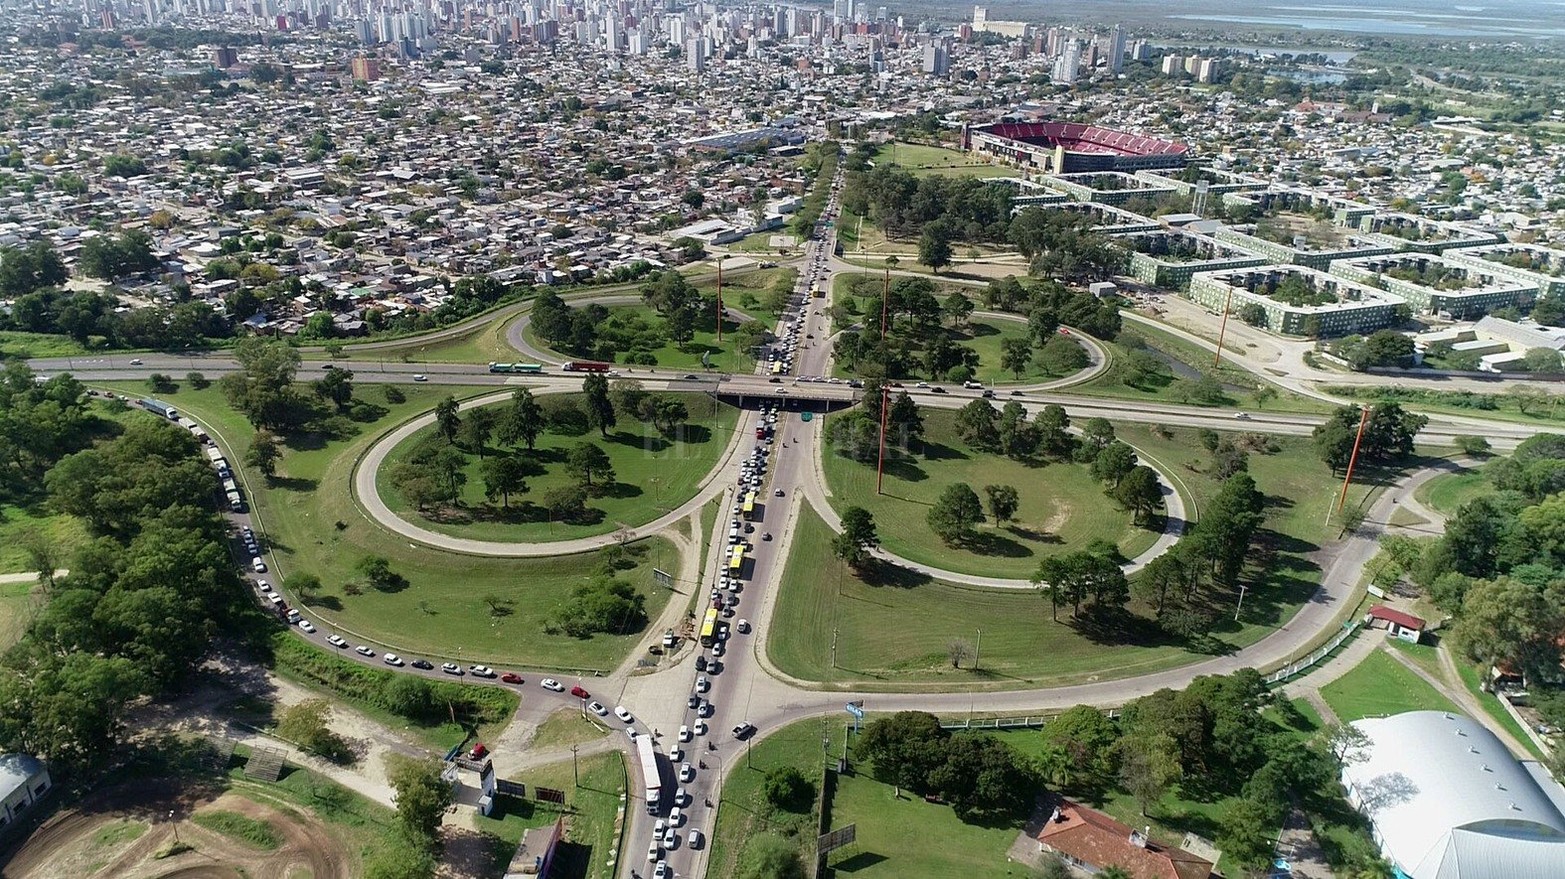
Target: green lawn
x: 653, y: 475
x: 1381, y: 686
x: 249, y: 831
x: 724, y: 356
x: 1021, y: 646
x: 1446, y: 493
x: 442, y: 612
x: 922, y: 159
x: 590, y: 835
x: 907, y: 838
x: 986, y: 336
x: 1240, y: 385
x: 1495, y: 407
x: 483, y: 343
x: 15, y: 343
x: 1062, y: 507
x: 761, y: 242
x: 64, y: 532
x: 566, y: 727
x: 17, y: 602
x: 742, y: 809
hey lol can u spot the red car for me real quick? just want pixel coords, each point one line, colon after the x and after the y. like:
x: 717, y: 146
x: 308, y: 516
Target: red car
x: 579, y: 693
x: 511, y: 677
x: 478, y: 753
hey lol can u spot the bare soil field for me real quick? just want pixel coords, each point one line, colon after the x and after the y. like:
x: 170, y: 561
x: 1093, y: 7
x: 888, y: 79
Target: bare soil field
x: 120, y: 833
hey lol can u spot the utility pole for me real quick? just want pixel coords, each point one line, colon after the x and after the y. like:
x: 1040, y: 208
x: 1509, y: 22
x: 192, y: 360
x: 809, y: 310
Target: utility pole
x: 1240, y: 605
x: 1223, y: 327
x: 719, y: 300
x: 1353, y: 458
x: 978, y: 649
x: 880, y: 465
x: 833, y: 646
x: 575, y: 767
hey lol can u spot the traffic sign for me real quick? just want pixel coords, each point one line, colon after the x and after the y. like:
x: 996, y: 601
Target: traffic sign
x: 663, y: 578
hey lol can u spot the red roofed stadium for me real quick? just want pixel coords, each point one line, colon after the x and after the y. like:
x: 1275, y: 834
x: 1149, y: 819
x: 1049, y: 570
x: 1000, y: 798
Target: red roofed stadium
x: 1071, y: 147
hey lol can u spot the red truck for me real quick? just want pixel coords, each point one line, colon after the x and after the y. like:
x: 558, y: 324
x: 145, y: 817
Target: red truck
x: 587, y: 366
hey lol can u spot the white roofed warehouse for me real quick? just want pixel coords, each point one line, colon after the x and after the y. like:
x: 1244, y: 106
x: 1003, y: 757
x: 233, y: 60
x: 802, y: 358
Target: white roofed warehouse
x: 1448, y: 801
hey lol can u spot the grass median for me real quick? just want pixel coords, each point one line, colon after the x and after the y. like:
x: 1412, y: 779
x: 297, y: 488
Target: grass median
x: 310, y: 522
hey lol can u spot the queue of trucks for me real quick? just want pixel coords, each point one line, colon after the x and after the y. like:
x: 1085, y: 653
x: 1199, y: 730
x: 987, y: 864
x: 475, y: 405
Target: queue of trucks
x: 214, y: 455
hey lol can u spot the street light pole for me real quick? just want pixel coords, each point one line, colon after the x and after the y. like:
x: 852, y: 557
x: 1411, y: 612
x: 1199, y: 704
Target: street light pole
x: 978, y: 649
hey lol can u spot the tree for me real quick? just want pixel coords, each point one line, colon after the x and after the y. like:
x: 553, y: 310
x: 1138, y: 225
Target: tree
x: 1542, y: 360
x: 1388, y: 434
x: 307, y: 724
x: 665, y: 413
x: 934, y: 246
x: 422, y: 795
x: 904, y: 424
x: 28, y: 269
x: 1527, y: 397
x: 785, y: 787
x: 1475, y: 446
x: 565, y: 502
x: 522, y: 420
x: 857, y: 539
x: 602, y: 605
x: 305, y: 585
x: 504, y: 475
x: 161, y: 383
x: 587, y: 461
x: 1062, y: 355
x: 1247, y: 833
x: 1078, y: 751
x: 1381, y: 348
x: 378, y: 573
x: 600, y: 409
x: 1052, y: 424
x: 197, y: 381
x: 335, y: 386
x: 1507, y: 621
x: 627, y: 395
x: 264, y: 453
x: 905, y: 748
x: 1148, y: 764
x: 1139, y: 492
x: 958, y: 308
x: 1015, y: 356
x: 1113, y: 463
x: 955, y: 513
x: 263, y: 388
x: 476, y: 429
x: 975, y: 423
x: 1096, y: 435
x: 447, y: 421
x: 958, y: 649
x: 1004, y: 501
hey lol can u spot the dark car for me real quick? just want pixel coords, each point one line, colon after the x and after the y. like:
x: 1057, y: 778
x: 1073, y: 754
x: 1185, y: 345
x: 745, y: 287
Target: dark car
x: 774, y: 380
x: 424, y: 664
x: 937, y: 390
x: 511, y: 677
x: 579, y: 693
x: 700, y: 663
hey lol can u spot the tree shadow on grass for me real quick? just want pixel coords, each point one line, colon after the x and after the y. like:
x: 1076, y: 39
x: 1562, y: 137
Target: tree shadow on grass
x: 293, y: 483
x: 943, y: 452
x: 325, y: 602
x: 544, y: 457
x: 1035, y: 535
x: 989, y: 543
x: 618, y: 490
x: 975, y: 330
x: 1117, y: 626
x: 882, y: 573
x: 905, y: 469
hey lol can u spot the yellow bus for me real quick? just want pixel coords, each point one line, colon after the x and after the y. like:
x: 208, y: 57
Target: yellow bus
x: 709, y: 627
x: 736, y: 559
x: 748, y: 510
x: 776, y: 367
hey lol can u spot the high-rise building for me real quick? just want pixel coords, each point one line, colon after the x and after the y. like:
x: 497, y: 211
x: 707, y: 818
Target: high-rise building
x: 224, y: 57
x: 1068, y: 63
x: 1116, y: 50
x: 695, y: 54
x: 937, y: 59
x: 1173, y: 64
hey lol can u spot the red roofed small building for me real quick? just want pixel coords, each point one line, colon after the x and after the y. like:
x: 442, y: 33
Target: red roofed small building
x: 1093, y: 841
x: 1401, y: 625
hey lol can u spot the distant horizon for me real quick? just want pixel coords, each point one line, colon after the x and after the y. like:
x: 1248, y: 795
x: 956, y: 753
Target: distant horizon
x: 1479, y: 19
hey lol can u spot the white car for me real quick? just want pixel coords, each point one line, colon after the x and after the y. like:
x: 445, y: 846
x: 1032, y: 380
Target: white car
x: 263, y: 586
x: 671, y: 839
x: 744, y: 626
x: 363, y: 651
x: 482, y: 671
x: 307, y: 626
x: 421, y: 377
x: 703, y: 683
x: 336, y: 641
x: 681, y: 797
x: 451, y: 668
x: 684, y: 733
x: 676, y: 754
x: 693, y: 839
x: 654, y: 850
x: 687, y: 773
x: 598, y: 709
x: 623, y: 715
x: 700, y: 728
x: 391, y: 659
x: 552, y: 684
x: 676, y: 818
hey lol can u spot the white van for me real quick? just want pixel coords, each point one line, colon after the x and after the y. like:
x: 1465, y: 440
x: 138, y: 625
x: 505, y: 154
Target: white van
x: 258, y: 565
x: 733, y: 534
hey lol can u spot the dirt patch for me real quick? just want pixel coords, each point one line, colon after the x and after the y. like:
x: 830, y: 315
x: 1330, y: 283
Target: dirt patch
x: 92, y: 841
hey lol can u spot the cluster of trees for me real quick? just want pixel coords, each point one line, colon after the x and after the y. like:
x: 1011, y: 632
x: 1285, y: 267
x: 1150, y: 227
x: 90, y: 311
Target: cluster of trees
x: 1050, y: 305
x: 39, y: 424
x: 1059, y: 244
x: 856, y: 434
x: 143, y: 597
x: 264, y: 391
x: 92, y: 318
x: 1380, y: 348
x: 113, y: 257
x: 1007, y: 431
x: 593, y: 330
x: 904, y: 204
x: 1211, y: 741
x: 1181, y: 586
x: 606, y: 602
x: 984, y: 779
x: 26, y: 269
x: 1388, y: 435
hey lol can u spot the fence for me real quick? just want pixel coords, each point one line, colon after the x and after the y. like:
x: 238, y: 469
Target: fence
x: 1031, y: 721
x: 823, y: 820
x: 1287, y: 672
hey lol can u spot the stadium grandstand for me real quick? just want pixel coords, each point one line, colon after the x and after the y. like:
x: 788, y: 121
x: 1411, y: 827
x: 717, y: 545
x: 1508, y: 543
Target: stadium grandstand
x: 1071, y: 147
